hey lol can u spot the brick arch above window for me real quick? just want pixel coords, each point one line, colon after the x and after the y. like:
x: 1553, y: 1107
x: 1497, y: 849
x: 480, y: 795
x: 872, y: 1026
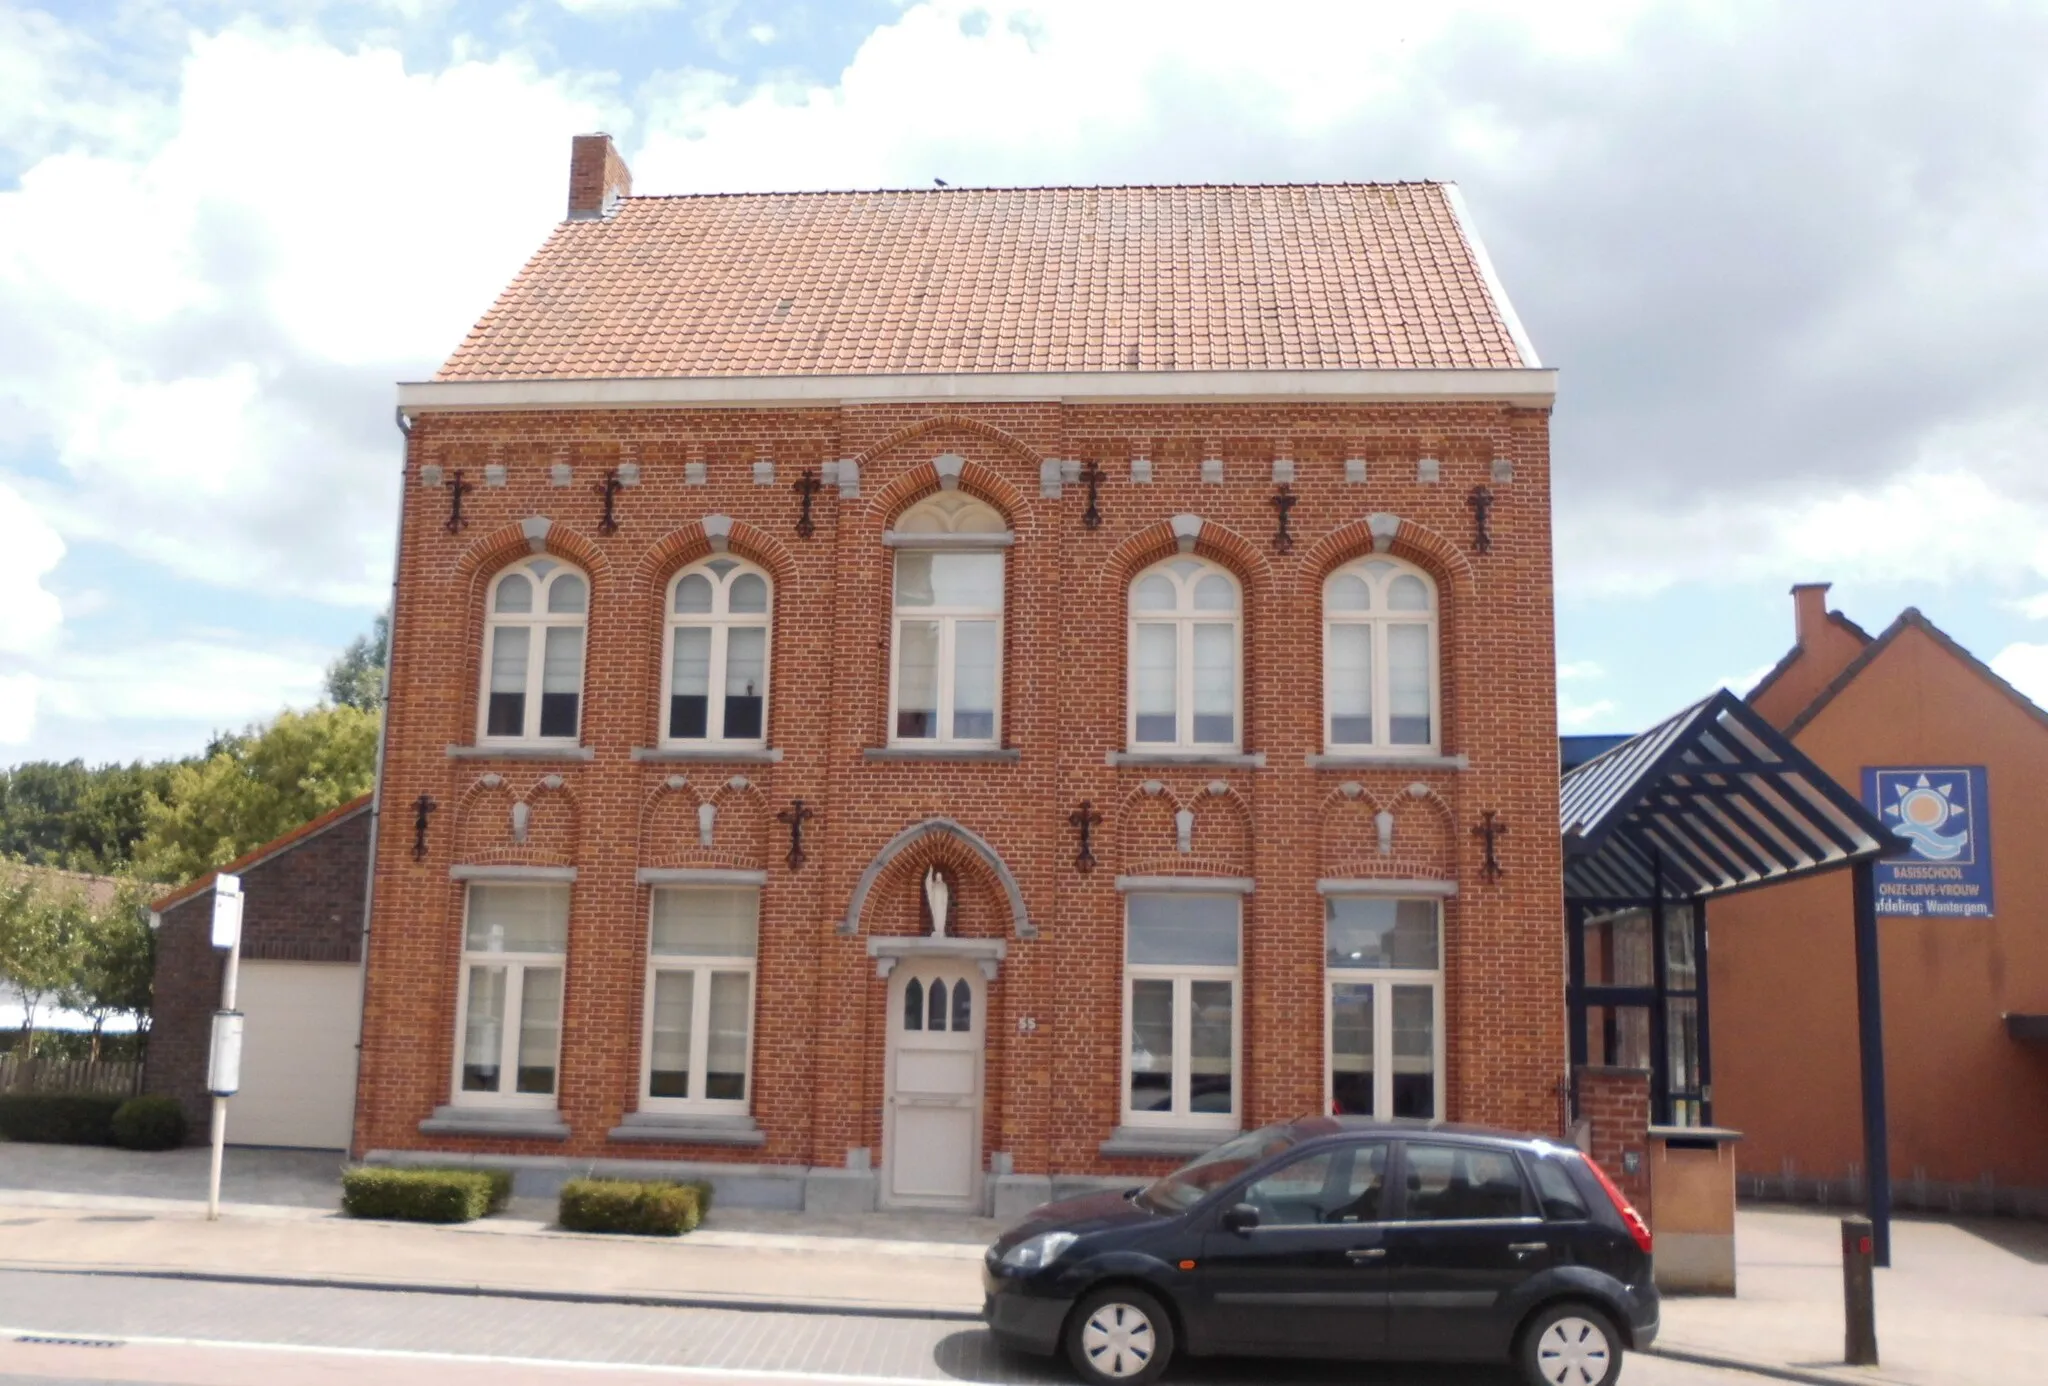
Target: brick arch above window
x: 1157, y: 542
x: 1413, y: 542
x: 490, y: 554
x: 924, y: 478
x: 938, y: 423
x: 692, y: 543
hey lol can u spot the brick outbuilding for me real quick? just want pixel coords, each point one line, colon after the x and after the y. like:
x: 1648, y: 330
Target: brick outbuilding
x: 933, y: 697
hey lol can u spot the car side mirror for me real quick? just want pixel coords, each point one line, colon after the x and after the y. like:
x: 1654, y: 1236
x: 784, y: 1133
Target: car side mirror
x: 1240, y: 1218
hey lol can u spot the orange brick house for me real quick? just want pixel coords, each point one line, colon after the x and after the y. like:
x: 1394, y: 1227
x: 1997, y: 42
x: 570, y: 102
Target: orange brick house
x: 933, y: 698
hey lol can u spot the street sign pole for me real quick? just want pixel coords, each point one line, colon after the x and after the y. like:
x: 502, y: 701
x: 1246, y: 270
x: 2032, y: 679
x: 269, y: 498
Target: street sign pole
x: 224, y: 1057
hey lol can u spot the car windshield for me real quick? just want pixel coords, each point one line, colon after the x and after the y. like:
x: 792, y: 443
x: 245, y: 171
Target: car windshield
x: 1190, y: 1184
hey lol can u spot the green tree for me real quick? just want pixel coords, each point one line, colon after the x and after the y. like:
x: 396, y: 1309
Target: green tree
x: 41, y: 927
x: 258, y: 786
x: 356, y: 678
x: 80, y: 819
x: 114, y: 962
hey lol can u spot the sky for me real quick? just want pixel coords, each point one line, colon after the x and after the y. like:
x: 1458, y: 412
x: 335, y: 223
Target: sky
x: 1790, y: 260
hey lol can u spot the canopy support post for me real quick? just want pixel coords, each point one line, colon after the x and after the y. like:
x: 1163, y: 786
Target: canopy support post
x: 1877, y: 1163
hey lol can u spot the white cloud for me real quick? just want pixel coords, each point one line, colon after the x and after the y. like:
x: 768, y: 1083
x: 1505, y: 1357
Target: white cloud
x: 29, y: 612
x: 2025, y: 667
x: 1574, y: 716
x: 1580, y: 669
x: 219, y: 681
x: 210, y: 329
x: 616, y: 6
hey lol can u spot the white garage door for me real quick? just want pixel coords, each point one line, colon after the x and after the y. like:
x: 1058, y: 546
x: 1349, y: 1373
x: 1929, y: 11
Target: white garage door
x: 298, y: 1054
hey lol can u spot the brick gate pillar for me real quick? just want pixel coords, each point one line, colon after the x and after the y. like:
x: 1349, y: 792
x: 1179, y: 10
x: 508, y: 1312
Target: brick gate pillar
x: 1614, y: 1127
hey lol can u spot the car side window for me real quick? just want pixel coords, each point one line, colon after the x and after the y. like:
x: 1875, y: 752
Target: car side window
x: 1293, y: 1195
x: 1555, y: 1191
x: 1365, y: 1187
x: 1447, y: 1183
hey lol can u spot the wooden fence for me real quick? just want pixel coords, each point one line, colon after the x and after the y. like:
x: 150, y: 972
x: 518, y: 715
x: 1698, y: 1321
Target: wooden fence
x: 107, y: 1077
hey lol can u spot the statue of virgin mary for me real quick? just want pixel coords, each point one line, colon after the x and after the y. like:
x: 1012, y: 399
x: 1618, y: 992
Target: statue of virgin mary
x: 937, y: 896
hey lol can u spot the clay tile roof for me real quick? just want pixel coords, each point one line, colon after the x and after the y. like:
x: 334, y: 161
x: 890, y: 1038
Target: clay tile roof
x: 1354, y: 276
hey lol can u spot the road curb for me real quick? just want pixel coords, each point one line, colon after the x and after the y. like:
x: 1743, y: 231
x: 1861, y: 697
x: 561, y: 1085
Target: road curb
x: 739, y: 1303
x: 1698, y: 1358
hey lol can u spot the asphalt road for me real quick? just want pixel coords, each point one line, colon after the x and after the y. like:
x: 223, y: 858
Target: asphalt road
x: 96, y: 1328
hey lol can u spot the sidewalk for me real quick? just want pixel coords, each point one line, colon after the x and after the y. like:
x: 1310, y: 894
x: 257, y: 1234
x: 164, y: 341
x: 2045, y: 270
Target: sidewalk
x: 1965, y: 1304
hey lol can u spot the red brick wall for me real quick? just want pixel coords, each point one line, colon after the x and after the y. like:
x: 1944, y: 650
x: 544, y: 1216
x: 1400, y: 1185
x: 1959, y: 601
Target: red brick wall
x: 303, y: 905
x: 1616, y: 1101
x: 1054, y: 1092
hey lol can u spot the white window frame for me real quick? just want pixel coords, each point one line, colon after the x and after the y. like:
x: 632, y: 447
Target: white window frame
x: 933, y: 510
x: 1378, y: 619
x: 1383, y: 980
x: 516, y: 966
x: 538, y: 621
x: 1181, y: 1118
x: 701, y: 965
x: 1183, y: 618
x: 721, y: 621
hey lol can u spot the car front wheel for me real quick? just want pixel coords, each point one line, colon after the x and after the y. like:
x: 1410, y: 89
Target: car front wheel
x: 1571, y: 1345
x: 1119, y: 1334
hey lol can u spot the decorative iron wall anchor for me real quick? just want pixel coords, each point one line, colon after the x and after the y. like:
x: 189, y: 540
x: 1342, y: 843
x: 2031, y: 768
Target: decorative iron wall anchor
x: 1092, y: 474
x: 1491, y: 830
x: 1481, y: 501
x: 807, y: 486
x: 421, y: 807
x: 609, y: 488
x: 457, y: 489
x: 1085, y: 818
x: 796, y: 815
x: 1283, y: 501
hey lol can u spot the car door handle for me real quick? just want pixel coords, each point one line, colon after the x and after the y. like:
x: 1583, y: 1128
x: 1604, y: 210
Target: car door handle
x: 1365, y: 1253
x: 1524, y: 1248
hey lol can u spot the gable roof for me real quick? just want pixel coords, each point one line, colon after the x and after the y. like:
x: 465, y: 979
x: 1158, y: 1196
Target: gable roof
x: 1343, y: 276
x: 1791, y: 657
x: 257, y: 856
x: 1911, y: 619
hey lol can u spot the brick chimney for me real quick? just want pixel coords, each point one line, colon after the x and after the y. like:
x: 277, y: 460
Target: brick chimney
x: 598, y: 177
x: 1809, y: 611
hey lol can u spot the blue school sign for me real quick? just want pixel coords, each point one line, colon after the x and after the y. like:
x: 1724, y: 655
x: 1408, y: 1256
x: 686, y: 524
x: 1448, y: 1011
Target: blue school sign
x: 1945, y: 814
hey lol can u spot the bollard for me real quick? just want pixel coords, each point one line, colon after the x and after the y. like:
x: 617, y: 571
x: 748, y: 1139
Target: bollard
x: 1859, y: 1304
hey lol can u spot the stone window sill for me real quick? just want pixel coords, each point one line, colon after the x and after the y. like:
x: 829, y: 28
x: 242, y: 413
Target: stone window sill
x: 1351, y: 760
x: 733, y: 755
x: 536, y: 1123
x: 991, y: 755
x: 514, y: 752
x: 1243, y: 760
x: 681, y: 1128
x: 1152, y: 1141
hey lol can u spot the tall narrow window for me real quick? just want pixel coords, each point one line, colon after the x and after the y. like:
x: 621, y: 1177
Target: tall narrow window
x: 510, y: 1025
x: 1186, y: 662
x: 1379, y: 659
x: 702, y: 945
x: 946, y: 679
x: 1180, y: 1010
x: 717, y: 674
x: 1384, y: 963
x: 533, y: 653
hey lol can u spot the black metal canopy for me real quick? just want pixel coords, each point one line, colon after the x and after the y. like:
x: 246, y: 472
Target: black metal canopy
x: 1712, y: 800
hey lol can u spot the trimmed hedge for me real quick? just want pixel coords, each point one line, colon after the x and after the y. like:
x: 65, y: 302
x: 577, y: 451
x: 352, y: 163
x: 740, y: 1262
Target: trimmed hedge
x: 58, y: 1118
x: 419, y: 1195
x: 653, y: 1209
x: 149, y: 1123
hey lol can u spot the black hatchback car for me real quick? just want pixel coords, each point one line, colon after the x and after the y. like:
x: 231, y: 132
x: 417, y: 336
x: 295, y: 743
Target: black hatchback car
x: 1339, y: 1237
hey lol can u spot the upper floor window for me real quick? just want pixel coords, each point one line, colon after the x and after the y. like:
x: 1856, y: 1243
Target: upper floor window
x: 533, y: 638
x: 1186, y: 638
x: 718, y: 655
x: 1379, y: 658
x: 946, y: 680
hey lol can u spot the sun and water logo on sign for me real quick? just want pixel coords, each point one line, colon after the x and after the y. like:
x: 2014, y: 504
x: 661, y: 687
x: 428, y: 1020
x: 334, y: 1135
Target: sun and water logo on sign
x: 1943, y: 813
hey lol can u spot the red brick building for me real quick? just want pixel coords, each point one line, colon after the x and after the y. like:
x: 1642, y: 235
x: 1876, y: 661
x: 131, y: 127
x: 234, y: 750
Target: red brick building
x: 927, y: 697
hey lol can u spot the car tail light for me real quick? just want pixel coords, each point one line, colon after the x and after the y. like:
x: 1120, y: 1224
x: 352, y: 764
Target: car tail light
x: 1637, y: 1228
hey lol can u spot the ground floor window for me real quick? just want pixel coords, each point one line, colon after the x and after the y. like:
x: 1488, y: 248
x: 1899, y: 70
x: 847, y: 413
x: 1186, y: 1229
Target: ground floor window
x: 702, y: 946
x: 510, y: 1012
x: 1180, y: 1010
x: 1384, y: 959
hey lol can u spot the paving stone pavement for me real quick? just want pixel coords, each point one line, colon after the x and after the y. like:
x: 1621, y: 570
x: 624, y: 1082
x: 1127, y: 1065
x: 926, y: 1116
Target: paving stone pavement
x: 695, y: 1340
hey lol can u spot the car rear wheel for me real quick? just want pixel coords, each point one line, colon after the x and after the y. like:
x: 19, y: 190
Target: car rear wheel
x: 1571, y: 1345
x: 1121, y: 1335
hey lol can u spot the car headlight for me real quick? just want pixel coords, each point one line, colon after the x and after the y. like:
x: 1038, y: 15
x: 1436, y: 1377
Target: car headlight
x: 1035, y: 1253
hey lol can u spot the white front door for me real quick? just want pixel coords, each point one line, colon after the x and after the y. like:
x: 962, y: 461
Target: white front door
x: 931, y: 1141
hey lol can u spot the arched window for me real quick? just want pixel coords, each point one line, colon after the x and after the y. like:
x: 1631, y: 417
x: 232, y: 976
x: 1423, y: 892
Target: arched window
x: 1186, y: 638
x: 533, y: 642
x: 945, y: 681
x: 1379, y: 658
x: 717, y: 666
